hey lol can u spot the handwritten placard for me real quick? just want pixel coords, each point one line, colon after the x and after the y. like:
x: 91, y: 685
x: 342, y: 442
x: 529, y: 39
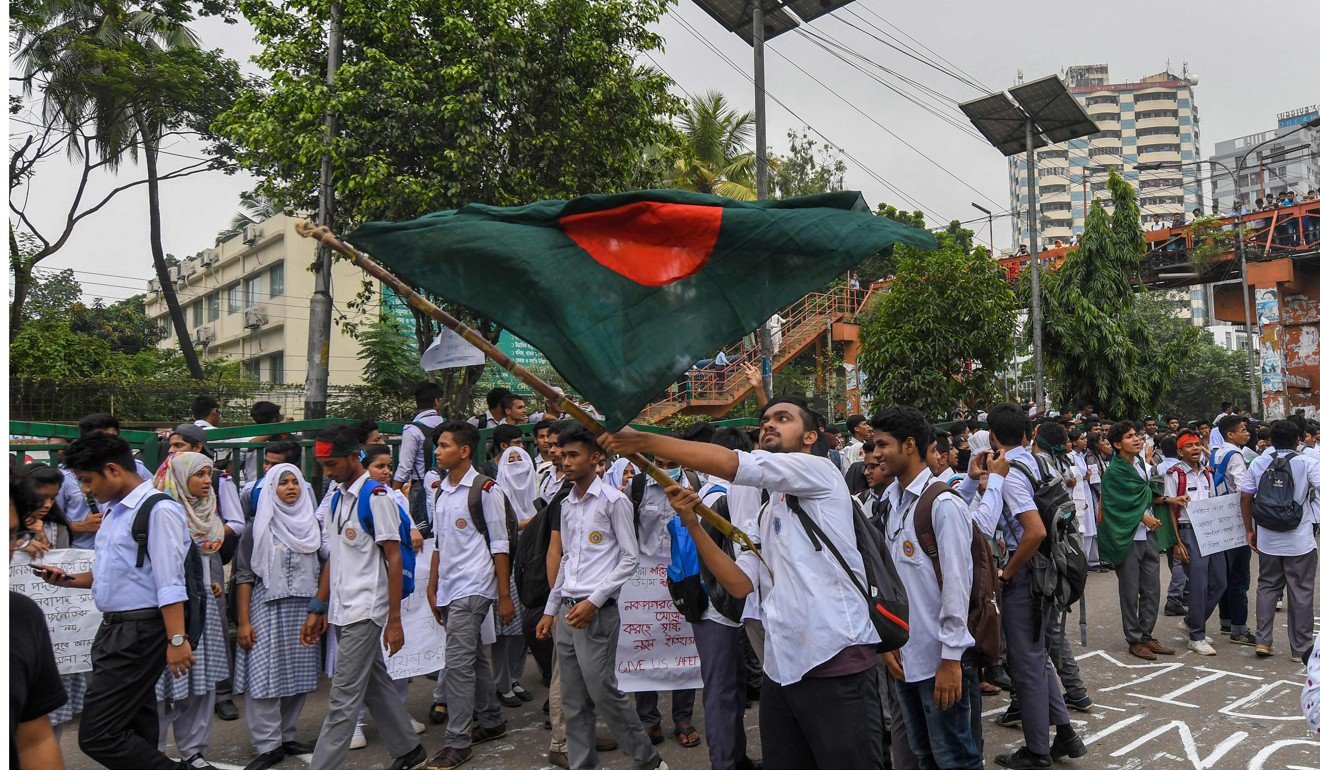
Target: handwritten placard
x: 423, y: 639
x: 656, y: 648
x: 1217, y: 523
x: 71, y: 613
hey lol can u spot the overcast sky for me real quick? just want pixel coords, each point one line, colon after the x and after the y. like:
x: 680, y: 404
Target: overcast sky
x: 1251, y: 61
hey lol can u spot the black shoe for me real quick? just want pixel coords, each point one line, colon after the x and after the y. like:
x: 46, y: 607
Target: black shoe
x: 449, y: 757
x: 412, y: 759
x: 753, y: 694
x: 1024, y: 760
x: 746, y: 763
x: 196, y: 762
x: 997, y: 676
x: 439, y: 713
x: 1174, y: 610
x: 522, y: 694
x: 509, y: 699
x: 267, y: 760
x: 294, y: 747
x: 1071, y: 746
x: 226, y: 710
x: 482, y: 734
x: 1010, y: 718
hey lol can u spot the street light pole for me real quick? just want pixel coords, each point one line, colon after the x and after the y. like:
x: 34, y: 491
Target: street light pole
x: 1037, y: 340
x: 991, y: 216
x: 318, y: 327
x: 762, y: 167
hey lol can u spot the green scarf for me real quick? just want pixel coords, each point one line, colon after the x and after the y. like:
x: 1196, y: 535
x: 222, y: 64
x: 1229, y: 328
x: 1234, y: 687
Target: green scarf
x: 1126, y: 497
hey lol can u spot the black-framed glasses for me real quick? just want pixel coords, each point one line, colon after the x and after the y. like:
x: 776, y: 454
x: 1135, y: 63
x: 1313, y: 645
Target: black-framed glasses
x: 870, y: 466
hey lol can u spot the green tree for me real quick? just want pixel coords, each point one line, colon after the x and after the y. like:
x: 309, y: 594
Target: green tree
x: 389, y: 360
x: 1096, y: 344
x: 51, y: 294
x: 124, y: 325
x: 714, y: 155
x: 252, y: 209
x: 943, y: 330
x: 1206, y: 373
x: 808, y: 169
x: 881, y: 266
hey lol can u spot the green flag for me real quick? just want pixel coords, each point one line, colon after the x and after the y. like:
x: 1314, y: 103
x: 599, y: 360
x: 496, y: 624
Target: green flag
x: 622, y: 293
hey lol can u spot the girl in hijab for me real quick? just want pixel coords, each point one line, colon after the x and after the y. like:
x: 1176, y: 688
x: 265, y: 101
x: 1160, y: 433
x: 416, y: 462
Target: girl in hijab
x: 187, y: 702
x: 516, y: 475
x: 276, y: 569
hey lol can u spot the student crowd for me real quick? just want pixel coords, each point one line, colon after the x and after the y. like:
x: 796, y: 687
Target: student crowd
x: 983, y: 539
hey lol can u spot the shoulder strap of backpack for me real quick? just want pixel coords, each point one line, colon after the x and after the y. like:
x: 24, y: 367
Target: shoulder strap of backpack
x: 923, y: 521
x: 1035, y: 485
x: 818, y: 536
x: 142, y: 525
x: 364, y: 507
x: 476, y: 509
x: 692, y: 479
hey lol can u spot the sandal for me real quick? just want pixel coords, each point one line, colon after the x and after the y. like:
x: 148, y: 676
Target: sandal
x: 655, y: 735
x: 687, y: 735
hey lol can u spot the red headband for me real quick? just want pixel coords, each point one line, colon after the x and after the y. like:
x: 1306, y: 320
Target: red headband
x: 1186, y: 439
x: 324, y: 449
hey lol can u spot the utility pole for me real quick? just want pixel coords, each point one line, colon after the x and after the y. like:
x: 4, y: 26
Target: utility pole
x: 762, y: 168
x: 1036, y: 338
x: 318, y: 329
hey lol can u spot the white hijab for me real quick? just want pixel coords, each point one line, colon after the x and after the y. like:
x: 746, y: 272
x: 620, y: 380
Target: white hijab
x: 295, y: 526
x: 517, y: 478
x: 614, y: 476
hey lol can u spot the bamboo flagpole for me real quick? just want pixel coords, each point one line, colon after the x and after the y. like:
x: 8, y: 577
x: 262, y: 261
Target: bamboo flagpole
x: 325, y: 237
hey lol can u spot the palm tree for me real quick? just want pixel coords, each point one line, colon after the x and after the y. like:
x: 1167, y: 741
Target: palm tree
x: 715, y: 158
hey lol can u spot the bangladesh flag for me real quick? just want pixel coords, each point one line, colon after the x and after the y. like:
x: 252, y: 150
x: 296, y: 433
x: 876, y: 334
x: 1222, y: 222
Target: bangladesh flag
x: 622, y: 293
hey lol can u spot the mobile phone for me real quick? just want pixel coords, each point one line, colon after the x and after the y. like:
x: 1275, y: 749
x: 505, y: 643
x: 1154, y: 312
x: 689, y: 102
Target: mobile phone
x: 43, y: 571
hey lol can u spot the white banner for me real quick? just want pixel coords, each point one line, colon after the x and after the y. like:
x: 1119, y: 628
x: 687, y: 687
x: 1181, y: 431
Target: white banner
x: 450, y: 351
x: 656, y: 648
x: 423, y: 638
x: 1217, y: 523
x: 71, y: 613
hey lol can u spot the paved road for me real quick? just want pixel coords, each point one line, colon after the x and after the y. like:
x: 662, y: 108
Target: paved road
x: 1230, y: 712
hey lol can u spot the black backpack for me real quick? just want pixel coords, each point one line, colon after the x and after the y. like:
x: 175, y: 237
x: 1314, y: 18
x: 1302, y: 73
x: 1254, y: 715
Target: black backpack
x: 1273, y: 506
x: 1058, y: 568
x: 529, y: 571
x: 483, y: 483
x: 428, y: 444
x: 885, y: 596
x: 194, y: 607
x: 727, y: 605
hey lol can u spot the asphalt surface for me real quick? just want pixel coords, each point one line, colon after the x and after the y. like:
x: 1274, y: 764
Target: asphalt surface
x: 1228, y: 712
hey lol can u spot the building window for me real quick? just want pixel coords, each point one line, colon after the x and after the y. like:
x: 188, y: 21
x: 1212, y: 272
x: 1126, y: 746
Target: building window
x: 252, y: 290
x: 277, y: 280
x: 1094, y: 100
x: 1153, y: 97
x: 197, y: 314
x: 276, y: 368
x: 234, y: 298
x: 252, y: 368
x: 213, y: 306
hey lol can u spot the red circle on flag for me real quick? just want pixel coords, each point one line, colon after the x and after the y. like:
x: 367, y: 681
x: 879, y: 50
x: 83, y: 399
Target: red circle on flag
x: 648, y: 242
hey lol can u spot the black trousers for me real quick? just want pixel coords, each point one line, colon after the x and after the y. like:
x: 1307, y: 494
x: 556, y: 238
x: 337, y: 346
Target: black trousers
x: 119, y: 726
x: 1233, y: 607
x: 827, y: 722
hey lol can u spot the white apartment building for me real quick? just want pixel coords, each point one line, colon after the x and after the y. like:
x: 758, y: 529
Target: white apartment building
x: 1276, y: 165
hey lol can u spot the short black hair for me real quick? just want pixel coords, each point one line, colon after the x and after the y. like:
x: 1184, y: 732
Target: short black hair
x: 506, y: 402
x: 558, y: 427
x: 868, y: 446
x: 1284, y: 434
x: 203, y: 405
x: 24, y: 499
x: 97, y: 421
x: 342, y: 439
x: 958, y: 428
x: 903, y: 423
x: 1229, y: 424
x: 465, y: 433
x: 496, y: 397
x: 1169, y: 446
x: 1224, y: 405
x: 573, y: 433
x: 540, y: 426
x: 1118, y: 430
x: 503, y: 434
x: 425, y: 394
x: 1008, y: 424
x: 264, y: 412
x: 362, y: 429
x: 701, y: 431
x: 941, y: 440
x: 91, y: 454
x: 810, y: 420
x: 291, y: 451
x: 731, y: 438
x: 853, y: 421
x: 372, y: 451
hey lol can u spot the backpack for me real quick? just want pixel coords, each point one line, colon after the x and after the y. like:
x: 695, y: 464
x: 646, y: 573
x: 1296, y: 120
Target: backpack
x: 886, y: 600
x: 692, y: 586
x: 406, y: 553
x: 983, y: 614
x: 194, y: 607
x: 1220, y: 467
x: 529, y: 571
x: 428, y: 444
x: 483, y: 483
x: 637, y: 491
x: 1058, y: 568
x: 1273, y: 506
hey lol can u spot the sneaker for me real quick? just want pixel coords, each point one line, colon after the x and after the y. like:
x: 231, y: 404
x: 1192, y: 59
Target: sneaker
x: 1174, y: 610
x: 1182, y: 626
x: 1024, y: 760
x: 198, y: 762
x: 509, y: 699
x: 413, y: 759
x: 1010, y: 718
x: 1225, y: 630
x: 522, y: 694
x: 1278, y: 606
x: 418, y: 727
x: 1264, y: 651
x: 359, y: 740
x: 1296, y: 659
x: 1247, y: 638
x: 1083, y: 703
x: 449, y: 757
x: 997, y: 676
x: 482, y: 734
x: 439, y: 713
x: 1201, y: 647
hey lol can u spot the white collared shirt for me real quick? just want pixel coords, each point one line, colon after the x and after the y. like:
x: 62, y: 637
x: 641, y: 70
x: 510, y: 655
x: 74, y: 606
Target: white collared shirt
x: 467, y: 566
x: 988, y: 508
x: 359, y: 579
x: 412, y: 446
x: 118, y: 584
x: 937, y: 616
x: 811, y: 609
x: 1143, y: 470
x: 1235, y: 473
x: 600, y: 546
x: 1017, y: 492
x: 1306, y: 485
x: 1199, y: 485
x: 653, y: 516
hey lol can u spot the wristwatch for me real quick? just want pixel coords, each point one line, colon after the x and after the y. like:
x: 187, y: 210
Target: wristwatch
x: 177, y: 640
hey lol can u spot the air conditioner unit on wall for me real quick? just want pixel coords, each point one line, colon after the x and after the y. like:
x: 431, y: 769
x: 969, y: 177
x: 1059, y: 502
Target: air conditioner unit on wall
x: 203, y: 335
x: 254, y: 317
x: 153, y: 285
x: 209, y: 257
x: 250, y: 234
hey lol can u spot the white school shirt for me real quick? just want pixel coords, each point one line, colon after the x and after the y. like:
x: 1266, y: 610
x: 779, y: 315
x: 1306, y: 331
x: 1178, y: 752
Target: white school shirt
x: 412, y: 446
x: 745, y: 514
x: 229, y: 506
x: 735, y: 496
x: 1235, y: 475
x: 1082, y: 495
x: 937, y: 616
x: 467, y: 565
x: 1200, y: 486
x: 810, y: 608
x: 600, y: 546
x: 653, y: 515
x: 987, y: 509
x: 359, y: 579
x: 1143, y: 470
x: 1306, y: 483
x: 853, y: 452
x: 1017, y: 493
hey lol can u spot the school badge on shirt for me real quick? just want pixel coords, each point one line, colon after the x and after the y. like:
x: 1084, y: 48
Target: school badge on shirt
x: 460, y: 524
x: 777, y: 525
x: 350, y: 533
x: 908, y: 548
x: 596, y: 537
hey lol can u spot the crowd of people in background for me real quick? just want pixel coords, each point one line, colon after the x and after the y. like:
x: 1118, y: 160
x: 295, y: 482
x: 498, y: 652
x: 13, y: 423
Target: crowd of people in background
x: 227, y: 572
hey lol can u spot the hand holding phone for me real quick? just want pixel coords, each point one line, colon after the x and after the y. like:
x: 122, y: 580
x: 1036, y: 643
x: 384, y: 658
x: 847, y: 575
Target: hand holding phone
x: 52, y: 575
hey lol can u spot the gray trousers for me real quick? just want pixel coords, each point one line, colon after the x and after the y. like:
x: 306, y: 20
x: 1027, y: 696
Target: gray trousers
x: 558, y: 730
x: 722, y: 696
x: 469, y: 682
x: 1206, y: 580
x: 1092, y: 550
x: 1297, y: 574
x: 508, y: 658
x: 586, y: 658
x: 273, y: 722
x: 648, y: 707
x: 1177, y: 591
x: 1139, y: 589
x: 1061, y: 655
x: 191, y: 718
x: 897, y: 750
x: 361, y: 677
x: 399, y: 684
x: 1035, y: 683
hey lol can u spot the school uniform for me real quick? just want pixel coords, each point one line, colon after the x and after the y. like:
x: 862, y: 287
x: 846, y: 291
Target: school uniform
x: 1027, y: 630
x: 1060, y: 647
x: 820, y: 680
x: 413, y: 460
x: 1237, y: 561
x: 1175, y: 596
x: 119, y: 726
x: 600, y: 555
x: 937, y: 617
x: 465, y: 591
x: 186, y: 703
x: 1084, y: 496
x: 1206, y: 576
x: 1139, y: 577
x: 359, y: 609
x: 1287, y: 559
x: 986, y: 507
x: 229, y: 508
x: 76, y: 507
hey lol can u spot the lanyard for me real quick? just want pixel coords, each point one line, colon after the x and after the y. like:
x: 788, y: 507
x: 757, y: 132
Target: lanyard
x: 904, y: 511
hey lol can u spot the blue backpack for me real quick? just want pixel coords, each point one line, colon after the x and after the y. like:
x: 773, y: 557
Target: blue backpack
x: 1220, y: 467
x: 406, y: 552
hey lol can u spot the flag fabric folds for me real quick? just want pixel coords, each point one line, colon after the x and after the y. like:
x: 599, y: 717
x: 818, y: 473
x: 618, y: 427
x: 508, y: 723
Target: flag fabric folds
x: 622, y: 293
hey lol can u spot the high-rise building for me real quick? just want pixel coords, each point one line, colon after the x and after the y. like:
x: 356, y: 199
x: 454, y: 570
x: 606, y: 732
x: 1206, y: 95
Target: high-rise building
x: 1152, y: 120
x: 1274, y: 167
